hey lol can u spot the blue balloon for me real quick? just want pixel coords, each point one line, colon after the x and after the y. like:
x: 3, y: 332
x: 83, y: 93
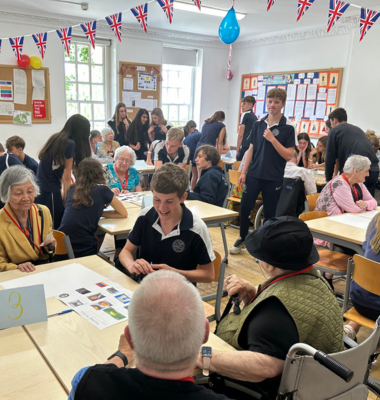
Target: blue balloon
x: 229, y: 28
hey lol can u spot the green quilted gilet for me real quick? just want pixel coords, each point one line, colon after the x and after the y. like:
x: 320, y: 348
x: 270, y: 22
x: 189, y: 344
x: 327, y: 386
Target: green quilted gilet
x: 310, y: 303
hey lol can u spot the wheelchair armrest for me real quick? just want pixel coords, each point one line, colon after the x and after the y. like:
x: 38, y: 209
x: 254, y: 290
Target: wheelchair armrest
x: 374, y: 385
x: 348, y: 342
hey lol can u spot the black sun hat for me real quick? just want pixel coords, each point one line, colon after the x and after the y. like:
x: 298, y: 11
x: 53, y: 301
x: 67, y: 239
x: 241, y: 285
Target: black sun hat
x: 284, y: 242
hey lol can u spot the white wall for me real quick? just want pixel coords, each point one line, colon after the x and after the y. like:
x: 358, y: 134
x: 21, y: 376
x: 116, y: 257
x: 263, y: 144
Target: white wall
x: 213, y: 93
x: 361, y: 78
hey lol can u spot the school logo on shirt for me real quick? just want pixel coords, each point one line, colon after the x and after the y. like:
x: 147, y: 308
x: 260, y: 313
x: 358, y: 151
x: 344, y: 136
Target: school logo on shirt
x: 275, y: 132
x: 178, y: 246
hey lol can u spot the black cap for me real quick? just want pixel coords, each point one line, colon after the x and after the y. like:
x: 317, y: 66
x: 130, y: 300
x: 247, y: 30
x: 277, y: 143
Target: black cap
x: 284, y: 242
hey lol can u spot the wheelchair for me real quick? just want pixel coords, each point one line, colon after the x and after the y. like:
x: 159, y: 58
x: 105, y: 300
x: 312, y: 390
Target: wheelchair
x: 314, y: 375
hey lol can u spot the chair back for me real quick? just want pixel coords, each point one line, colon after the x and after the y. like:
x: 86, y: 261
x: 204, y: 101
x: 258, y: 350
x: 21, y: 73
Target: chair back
x: 304, y: 375
x: 366, y: 274
x: 188, y: 168
x: 220, y: 164
x: 292, y: 198
x: 307, y: 216
x: 63, y: 245
x: 237, y: 165
x: 216, y: 263
x: 312, y: 200
x: 234, y: 176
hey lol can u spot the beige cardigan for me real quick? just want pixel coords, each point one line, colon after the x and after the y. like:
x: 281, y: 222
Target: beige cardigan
x: 105, y: 148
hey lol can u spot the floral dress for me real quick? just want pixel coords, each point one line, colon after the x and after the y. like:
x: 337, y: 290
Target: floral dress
x: 113, y: 180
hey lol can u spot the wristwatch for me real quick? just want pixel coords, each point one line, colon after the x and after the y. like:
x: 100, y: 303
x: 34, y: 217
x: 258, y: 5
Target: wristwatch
x: 206, y: 357
x: 121, y: 355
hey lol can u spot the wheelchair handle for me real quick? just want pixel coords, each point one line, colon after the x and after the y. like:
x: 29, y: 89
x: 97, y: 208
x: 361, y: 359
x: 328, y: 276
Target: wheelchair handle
x: 334, y: 366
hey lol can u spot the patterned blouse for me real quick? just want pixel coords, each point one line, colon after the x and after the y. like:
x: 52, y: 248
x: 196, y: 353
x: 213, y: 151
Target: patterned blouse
x: 113, y: 180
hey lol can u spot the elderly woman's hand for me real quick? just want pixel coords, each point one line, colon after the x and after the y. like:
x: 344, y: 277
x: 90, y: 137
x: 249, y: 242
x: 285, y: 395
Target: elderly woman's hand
x: 115, y: 191
x: 26, y: 267
x: 50, y: 241
x: 362, y: 204
x: 234, y: 285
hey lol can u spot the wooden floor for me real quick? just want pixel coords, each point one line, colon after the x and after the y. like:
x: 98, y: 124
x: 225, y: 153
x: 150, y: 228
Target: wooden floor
x: 244, y: 266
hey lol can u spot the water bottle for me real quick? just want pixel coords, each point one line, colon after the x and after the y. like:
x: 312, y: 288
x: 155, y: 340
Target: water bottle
x: 314, y: 174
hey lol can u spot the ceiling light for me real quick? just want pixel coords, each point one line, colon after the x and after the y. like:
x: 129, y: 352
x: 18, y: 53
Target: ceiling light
x: 205, y: 10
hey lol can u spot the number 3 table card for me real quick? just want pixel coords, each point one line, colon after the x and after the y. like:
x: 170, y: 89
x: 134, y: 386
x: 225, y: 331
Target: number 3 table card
x: 22, y: 306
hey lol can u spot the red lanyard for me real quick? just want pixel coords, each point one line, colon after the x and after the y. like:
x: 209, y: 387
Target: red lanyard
x: 355, y: 192
x: 27, y: 235
x: 281, y: 277
x: 124, y: 187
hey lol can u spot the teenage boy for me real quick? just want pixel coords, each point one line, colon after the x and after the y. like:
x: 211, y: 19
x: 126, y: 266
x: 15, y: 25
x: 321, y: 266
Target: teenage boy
x: 246, y: 125
x: 16, y: 146
x: 172, y: 150
x: 169, y: 235
x: 212, y: 186
x: 344, y: 140
x: 272, y: 143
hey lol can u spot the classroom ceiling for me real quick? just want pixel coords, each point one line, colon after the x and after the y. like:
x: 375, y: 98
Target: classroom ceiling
x: 280, y: 18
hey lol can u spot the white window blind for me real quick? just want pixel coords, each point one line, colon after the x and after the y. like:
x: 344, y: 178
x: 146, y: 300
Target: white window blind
x: 178, y: 56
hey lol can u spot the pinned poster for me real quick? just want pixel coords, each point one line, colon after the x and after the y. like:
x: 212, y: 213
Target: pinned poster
x: 128, y: 84
x: 301, y: 92
x: 331, y: 96
x: 6, y: 108
x: 6, y: 92
x: 146, y: 82
x: 39, y: 109
x: 291, y: 92
x: 19, y: 79
x: 22, y: 117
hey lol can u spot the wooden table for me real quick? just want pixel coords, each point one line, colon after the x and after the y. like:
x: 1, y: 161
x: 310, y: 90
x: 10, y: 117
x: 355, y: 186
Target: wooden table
x: 24, y: 374
x: 339, y: 233
x: 68, y: 342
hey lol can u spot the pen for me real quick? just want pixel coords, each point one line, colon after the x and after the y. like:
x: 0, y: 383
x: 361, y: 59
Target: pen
x: 60, y: 313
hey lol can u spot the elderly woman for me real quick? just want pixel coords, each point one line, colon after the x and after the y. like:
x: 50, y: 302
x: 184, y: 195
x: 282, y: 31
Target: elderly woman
x: 109, y: 146
x: 120, y: 176
x: 24, y: 225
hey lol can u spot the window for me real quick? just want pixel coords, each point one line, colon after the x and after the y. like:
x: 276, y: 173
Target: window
x: 177, y: 93
x: 85, y: 83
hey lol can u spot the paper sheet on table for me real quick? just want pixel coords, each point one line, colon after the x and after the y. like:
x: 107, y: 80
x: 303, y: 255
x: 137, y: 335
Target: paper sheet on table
x: 38, y: 78
x: 6, y: 108
x: 141, y: 164
x: 58, y: 280
x: 352, y: 220
x: 19, y: 83
x: 130, y: 197
x: 103, y: 304
x: 369, y: 214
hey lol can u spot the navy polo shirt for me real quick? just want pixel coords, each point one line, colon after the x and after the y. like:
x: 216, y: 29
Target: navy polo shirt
x: 7, y: 160
x: 191, y: 142
x: 249, y: 118
x: 161, y: 154
x: 186, y: 246
x: 49, y: 175
x: 266, y: 162
x: 31, y: 164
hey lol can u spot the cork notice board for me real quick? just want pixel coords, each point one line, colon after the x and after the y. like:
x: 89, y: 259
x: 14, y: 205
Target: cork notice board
x: 6, y: 74
x: 139, y: 86
x: 311, y: 95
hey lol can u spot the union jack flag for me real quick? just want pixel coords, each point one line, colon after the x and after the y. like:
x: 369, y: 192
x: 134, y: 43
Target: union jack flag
x: 89, y: 29
x: 303, y: 6
x: 167, y: 6
x: 17, y: 44
x: 198, y: 3
x: 65, y: 36
x: 367, y: 19
x: 141, y: 14
x: 114, y: 21
x: 40, y: 40
x: 270, y: 4
x: 336, y: 10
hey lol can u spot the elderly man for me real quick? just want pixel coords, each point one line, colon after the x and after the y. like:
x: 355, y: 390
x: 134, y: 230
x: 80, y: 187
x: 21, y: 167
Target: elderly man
x: 292, y: 170
x: 294, y: 305
x: 166, y: 328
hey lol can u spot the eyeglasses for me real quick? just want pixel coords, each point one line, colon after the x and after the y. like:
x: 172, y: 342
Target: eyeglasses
x: 124, y: 160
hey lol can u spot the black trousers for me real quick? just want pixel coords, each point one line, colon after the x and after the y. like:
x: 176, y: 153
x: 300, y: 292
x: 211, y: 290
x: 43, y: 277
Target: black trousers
x: 271, y: 193
x: 54, y: 202
x: 241, y: 153
x: 370, y: 313
x: 371, y: 180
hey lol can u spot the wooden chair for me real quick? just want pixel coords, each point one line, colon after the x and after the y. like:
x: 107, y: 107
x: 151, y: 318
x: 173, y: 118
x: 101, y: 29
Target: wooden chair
x: 220, y: 164
x: 188, y: 169
x: 211, y: 312
x: 63, y: 245
x: 312, y: 200
x: 237, y: 165
x: 366, y: 275
x: 329, y: 261
x: 234, y: 181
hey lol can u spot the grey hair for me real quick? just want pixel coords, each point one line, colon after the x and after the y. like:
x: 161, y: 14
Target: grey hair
x: 106, y: 131
x: 131, y: 152
x: 167, y: 322
x: 359, y: 162
x: 16, y: 175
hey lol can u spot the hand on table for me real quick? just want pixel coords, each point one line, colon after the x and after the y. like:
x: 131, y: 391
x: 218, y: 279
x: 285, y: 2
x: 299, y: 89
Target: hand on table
x: 140, y: 266
x: 234, y: 285
x: 362, y: 204
x: 115, y: 191
x: 125, y: 191
x: 26, y: 267
x: 162, y: 266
